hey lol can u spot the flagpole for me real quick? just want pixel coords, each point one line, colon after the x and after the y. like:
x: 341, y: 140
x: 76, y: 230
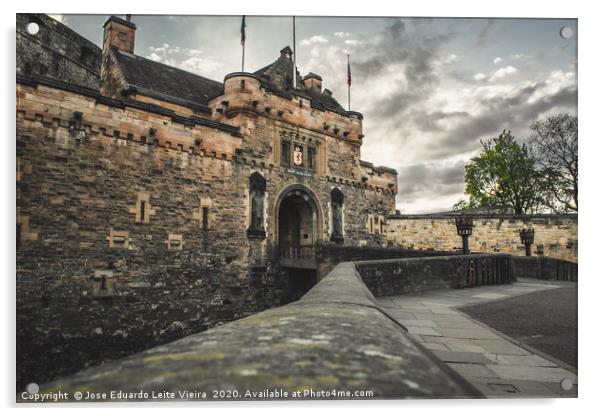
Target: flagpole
x: 294, y: 56
x: 243, y: 38
x: 348, y: 84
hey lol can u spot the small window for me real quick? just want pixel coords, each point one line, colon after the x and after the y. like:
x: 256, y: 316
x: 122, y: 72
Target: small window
x: 122, y: 36
x: 242, y: 84
x: 285, y: 153
x: 311, y: 158
x: 142, y: 209
x: 205, y: 218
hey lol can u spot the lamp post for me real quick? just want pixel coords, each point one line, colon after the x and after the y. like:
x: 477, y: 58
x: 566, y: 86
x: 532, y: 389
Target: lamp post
x: 527, y: 235
x: 464, y: 227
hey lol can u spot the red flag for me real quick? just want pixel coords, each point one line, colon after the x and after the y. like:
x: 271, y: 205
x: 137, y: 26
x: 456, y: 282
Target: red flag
x: 348, y: 71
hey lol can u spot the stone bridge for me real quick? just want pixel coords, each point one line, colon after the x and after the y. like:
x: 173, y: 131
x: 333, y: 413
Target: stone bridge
x: 335, y: 341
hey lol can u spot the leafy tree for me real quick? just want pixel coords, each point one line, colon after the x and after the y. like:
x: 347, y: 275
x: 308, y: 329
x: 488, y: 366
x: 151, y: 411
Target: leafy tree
x: 554, y: 143
x: 504, y: 173
x: 460, y: 205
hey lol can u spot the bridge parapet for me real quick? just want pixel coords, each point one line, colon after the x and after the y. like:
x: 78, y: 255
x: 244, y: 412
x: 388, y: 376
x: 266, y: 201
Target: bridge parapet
x: 334, y: 338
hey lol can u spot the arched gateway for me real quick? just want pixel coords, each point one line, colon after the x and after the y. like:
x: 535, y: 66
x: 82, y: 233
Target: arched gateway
x: 299, y: 229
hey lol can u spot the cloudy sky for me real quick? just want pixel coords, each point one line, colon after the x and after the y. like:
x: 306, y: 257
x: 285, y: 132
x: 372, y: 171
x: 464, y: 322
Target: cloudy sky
x: 429, y: 88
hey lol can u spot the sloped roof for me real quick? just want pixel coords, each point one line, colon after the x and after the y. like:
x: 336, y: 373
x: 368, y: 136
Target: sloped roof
x: 166, y: 82
x: 155, y: 78
x: 278, y: 77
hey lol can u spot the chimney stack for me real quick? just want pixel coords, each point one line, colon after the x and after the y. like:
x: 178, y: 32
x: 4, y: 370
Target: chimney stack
x: 119, y: 33
x: 313, y: 82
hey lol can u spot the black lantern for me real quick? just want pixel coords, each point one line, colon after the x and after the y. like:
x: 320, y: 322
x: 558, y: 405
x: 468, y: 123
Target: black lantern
x: 464, y: 227
x: 527, y: 235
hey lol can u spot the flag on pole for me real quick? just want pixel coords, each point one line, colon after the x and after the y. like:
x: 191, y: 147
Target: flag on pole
x: 348, y: 72
x: 242, y: 31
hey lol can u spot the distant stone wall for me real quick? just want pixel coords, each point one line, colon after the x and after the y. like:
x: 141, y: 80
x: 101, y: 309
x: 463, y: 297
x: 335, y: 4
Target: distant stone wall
x: 414, y: 275
x: 555, y: 235
x: 329, y: 255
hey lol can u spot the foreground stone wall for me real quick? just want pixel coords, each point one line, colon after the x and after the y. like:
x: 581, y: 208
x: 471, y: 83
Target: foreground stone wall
x: 555, y: 235
x: 545, y: 268
x: 324, y: 342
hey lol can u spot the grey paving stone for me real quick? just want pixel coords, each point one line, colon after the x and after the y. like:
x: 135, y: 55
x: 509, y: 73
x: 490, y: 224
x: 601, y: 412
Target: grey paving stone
x: 415, y: 308
x: 502, y: 388
x: 466, y: 348
x: 543, y: 374
x: 398, y: 314
x: 464, y: 333
x: 500, y: 346
x: 422, y: 330
x: 523, y: 360
x: 442, y: 311
x: 386, y: 303
x: 466, y: 324
x: 455, y: 344
x: 491, y: 295
x: 435, y: 346
x: 438, y: 317
x: 473, y: 370
x: 462, y: 357
x: 416, y: 322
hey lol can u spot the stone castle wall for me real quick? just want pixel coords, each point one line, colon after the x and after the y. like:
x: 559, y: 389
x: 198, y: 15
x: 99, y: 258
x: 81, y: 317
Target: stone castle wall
x: 112, y: 255
x: 56, y: 52
x: 92, y: 269
x: 555, y: 235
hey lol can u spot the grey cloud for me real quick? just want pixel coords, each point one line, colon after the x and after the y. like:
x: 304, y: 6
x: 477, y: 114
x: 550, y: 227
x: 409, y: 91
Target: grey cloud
x: 430, y: 121
x: 511, y: 113
x: 429, y: 179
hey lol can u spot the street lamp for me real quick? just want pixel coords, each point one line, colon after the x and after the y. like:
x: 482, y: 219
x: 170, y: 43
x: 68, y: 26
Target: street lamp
x: 527, y: 235
x: 464, y: 227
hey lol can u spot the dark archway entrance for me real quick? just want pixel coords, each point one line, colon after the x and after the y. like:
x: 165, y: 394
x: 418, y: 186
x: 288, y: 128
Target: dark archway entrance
x: 298, y: 232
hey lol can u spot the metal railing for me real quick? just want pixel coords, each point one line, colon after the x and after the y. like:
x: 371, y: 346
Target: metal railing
x: 297, y: 252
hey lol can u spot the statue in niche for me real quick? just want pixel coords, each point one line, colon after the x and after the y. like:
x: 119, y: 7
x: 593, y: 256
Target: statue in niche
x: 337, y: 220
x: 336, y: 199
x: 257, y: 210
x: 257, y: 186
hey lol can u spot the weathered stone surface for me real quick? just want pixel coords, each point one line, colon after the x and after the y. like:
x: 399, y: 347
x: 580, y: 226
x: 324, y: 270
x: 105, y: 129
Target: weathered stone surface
x: 555, y: 235
x: 333, y: 338
x: 56, y: 52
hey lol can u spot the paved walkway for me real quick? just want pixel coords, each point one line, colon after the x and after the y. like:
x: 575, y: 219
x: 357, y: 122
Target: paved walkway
x: 493, y: 363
